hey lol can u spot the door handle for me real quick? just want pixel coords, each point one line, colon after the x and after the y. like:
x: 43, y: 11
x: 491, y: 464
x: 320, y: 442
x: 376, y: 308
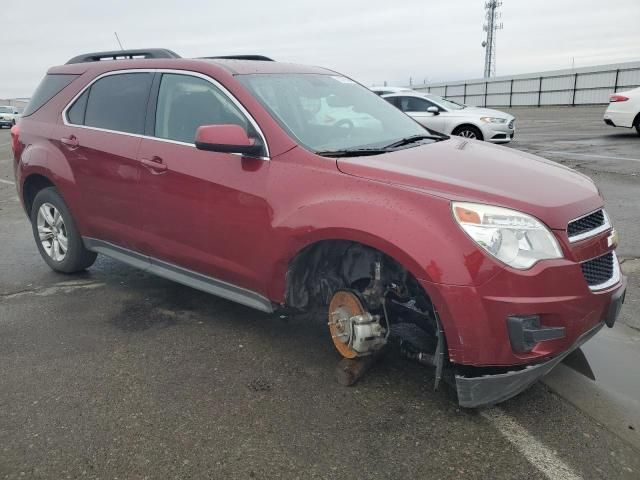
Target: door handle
x: 71, y: 142
x: 156, y: 165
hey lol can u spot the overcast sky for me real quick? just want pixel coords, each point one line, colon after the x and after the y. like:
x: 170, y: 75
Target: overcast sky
x: 369, y: 40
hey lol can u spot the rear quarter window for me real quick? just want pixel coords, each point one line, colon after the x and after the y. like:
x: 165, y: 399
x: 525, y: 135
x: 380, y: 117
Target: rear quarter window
x: 49, y: 87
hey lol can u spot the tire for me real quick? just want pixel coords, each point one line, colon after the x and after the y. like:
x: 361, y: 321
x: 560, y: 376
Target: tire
x: 51, y: 217
x: 468, y: 131
x: 638, y: 124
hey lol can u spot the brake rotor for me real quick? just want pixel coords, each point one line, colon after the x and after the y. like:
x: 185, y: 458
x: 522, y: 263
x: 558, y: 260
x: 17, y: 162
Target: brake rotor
x: 342, y: 307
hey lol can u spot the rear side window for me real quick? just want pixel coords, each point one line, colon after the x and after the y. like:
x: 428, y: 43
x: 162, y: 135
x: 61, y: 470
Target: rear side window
x: 395, y: 101
x: 49, y: 87
x: 116, y: 102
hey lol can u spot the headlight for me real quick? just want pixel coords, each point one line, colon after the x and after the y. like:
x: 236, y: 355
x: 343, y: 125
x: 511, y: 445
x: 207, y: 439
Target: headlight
x: 493, y: 120
x: 513, y: 237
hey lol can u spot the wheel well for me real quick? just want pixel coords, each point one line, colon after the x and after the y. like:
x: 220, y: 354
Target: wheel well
x: 32, y: 185
x: 460, y: 127
x: 320, y: 269
x: 636, y: 121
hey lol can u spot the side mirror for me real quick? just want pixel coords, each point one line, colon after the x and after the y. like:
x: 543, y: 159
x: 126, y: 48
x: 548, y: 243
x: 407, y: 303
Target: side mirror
x: 228, y: 139
x: 434, y: 110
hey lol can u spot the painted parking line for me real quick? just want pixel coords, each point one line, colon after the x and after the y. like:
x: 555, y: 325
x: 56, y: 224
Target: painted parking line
x: 8, y: 182
x: 591, y: 155
x: 538, y: 455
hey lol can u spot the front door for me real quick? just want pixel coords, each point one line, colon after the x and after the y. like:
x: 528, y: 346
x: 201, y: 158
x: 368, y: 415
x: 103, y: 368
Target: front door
x: 417, y: 107
x: 204, y: 211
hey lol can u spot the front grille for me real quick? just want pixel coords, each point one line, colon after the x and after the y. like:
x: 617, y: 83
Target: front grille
x: 586, y: 224
x: 511, y: 123
x: 599, y: 270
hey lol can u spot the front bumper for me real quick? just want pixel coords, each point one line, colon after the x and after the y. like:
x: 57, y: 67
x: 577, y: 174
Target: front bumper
x: 486, y: 390
x: 475, y: 392
x: 498, y: 132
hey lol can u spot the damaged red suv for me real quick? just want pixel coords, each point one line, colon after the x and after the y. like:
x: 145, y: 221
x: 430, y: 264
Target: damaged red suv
x: 290, y: 188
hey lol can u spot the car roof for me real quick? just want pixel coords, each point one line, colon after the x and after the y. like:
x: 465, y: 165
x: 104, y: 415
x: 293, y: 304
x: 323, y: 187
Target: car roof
x: 393, y: 89
x: 410, y: 93
x: 162, y: 58
x: 243, y: 67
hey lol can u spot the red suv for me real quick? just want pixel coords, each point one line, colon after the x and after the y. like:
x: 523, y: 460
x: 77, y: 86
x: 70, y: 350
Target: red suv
x: 290, y: 188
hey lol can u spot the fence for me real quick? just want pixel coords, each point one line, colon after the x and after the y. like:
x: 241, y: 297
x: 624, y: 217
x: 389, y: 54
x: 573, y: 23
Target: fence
x: 584, y: 86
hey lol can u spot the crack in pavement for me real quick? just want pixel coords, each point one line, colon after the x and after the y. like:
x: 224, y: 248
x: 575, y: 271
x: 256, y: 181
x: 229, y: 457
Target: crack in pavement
x: 63, y: 287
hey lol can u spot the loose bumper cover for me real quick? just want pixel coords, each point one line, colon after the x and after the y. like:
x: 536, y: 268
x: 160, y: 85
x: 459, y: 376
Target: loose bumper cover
x: 487, y: 390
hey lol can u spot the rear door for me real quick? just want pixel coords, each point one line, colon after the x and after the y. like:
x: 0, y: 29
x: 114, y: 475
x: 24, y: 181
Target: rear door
x: 100, y: 137
x: 203, y: 211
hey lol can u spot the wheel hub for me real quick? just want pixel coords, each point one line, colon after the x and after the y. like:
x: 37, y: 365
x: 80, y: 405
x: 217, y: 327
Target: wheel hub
x: 354, y: 331
x: 52, y: 232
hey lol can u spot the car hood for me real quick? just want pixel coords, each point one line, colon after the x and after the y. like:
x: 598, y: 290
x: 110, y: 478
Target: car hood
x: 469, y: 170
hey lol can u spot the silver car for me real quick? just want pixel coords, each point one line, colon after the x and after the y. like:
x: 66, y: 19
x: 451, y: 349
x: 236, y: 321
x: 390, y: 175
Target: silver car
x: 452, y: 118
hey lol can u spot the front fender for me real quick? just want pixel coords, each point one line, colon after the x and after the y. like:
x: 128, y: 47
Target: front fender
x: 416, y: 230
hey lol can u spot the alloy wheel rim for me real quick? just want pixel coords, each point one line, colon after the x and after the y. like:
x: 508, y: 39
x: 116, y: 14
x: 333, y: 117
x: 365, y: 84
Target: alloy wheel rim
x: 467, y: 134
x: 52, y: 232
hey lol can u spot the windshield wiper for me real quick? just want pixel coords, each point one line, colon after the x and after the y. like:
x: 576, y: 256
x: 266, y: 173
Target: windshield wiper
x: 353, y: 152
x: 413, y: 139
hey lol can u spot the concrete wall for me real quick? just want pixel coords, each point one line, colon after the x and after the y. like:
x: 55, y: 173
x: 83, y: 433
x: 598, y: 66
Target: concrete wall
x: 580, y: 86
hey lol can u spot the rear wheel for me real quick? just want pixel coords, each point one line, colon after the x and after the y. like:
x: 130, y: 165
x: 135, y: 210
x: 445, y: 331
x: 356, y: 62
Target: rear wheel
x: 468, y: 131
x: 56, y: 235
x: 638, y: 124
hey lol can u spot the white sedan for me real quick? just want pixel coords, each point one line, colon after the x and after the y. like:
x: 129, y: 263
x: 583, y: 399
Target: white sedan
x: 624, y: 110
x: 452, y: 118
x: 9, y: 115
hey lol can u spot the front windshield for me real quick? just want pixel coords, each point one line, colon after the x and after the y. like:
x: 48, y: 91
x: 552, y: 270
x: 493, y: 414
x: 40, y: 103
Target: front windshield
x: 329, y: 112
x: 448, y: 104
x: 6, y: 110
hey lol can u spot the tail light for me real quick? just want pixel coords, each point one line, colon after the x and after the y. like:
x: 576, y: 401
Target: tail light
x: 15, y: 141
x: 618, y: 98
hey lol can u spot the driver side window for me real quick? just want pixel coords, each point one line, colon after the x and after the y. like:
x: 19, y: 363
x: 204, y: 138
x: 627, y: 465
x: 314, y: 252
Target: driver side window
x: 186, y: 103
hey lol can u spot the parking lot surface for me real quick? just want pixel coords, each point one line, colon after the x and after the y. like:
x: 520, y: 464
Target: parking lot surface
x: 118, y: 374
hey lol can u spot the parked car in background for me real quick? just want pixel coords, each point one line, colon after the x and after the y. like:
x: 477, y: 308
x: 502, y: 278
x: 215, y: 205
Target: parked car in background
x: 488, y: 264
x: 388, y: 90
x: 452, y: 118
x: 9, y: 115
x: 329, y: 112
x: 624, y: 110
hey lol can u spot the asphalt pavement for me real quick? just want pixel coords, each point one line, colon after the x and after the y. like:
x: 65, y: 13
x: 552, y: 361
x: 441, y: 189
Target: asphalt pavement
x: 118, y: 374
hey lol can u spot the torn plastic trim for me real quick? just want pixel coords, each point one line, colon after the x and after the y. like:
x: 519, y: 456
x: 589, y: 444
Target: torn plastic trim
x: 488, y: 390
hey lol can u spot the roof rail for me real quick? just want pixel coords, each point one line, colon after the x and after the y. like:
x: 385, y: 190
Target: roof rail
x: 124, y: 55
x: 242, y: 57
